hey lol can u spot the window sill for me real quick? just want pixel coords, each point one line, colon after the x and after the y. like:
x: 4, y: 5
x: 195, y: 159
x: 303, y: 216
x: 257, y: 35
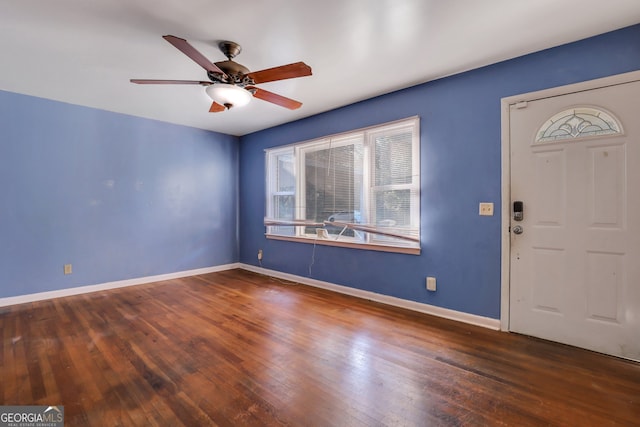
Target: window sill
x: 331, y: 242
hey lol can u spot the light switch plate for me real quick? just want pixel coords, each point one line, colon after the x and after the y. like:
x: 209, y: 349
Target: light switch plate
x: 431, y: 283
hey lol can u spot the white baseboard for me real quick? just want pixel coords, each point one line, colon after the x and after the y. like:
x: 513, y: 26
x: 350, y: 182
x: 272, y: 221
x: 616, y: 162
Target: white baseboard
x: 446, y: 313
x: 21, y: 299
x: 459, y: 316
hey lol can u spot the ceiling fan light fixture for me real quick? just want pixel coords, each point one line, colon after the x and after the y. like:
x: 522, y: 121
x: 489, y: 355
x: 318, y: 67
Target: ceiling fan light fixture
x: 228, y: 95
x: 231, y: 84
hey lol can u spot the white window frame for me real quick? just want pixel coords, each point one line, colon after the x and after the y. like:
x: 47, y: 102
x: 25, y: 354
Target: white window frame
x: 369, y: 241
x: 271, y: 170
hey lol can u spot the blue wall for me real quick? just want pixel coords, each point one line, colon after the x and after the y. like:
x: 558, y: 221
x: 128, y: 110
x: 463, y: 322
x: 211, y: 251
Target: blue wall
x: 118, y: 197
x: 122, y: 197
x: 460, y: 167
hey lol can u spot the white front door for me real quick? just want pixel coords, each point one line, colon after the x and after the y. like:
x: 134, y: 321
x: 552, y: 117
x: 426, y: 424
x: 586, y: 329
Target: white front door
x: 575, y: 266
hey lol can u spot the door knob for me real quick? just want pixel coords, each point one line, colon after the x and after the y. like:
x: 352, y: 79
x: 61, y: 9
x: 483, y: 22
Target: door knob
x: 517, y: 229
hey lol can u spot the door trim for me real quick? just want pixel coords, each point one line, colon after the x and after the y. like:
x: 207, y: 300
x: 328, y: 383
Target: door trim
x: 505, y: 104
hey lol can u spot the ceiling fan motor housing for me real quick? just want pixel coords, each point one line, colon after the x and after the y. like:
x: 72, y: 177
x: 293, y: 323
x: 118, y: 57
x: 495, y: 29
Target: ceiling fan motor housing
x: 235, y: 73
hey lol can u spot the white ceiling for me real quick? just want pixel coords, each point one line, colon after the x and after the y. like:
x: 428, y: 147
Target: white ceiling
x: 85, y: 51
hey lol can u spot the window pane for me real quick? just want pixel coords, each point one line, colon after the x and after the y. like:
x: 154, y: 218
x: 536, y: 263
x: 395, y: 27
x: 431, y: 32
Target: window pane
x: 283, y: 209
x: 333, y: 178
x: 284, y: 206
x: 284, y: 173
x: 393, y: 159
x: 393, y: 208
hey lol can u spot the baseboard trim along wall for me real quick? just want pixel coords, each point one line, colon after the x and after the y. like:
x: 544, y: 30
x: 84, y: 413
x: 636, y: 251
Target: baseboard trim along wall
x: 21, y: 299
x: 446, y: 313
x: 459, y: 316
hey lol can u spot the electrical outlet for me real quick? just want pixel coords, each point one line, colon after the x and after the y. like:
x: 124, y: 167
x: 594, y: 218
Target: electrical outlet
x: 431, y: 283
x: 68, y: 269
x: 486, y: 209
x: 259, y: 254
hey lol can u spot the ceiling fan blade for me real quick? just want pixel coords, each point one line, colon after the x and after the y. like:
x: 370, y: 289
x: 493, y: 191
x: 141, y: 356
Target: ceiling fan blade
x: 169, y: 82
x: 216, y: 108
x: 275, y: 98
x: 298, y: 69
x: 183, y: 46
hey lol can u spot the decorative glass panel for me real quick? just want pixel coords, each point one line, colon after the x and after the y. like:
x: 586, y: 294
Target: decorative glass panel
x: 578, y: 123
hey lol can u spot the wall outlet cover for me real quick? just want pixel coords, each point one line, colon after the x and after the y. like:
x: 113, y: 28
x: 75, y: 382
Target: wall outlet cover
x: 486, y: 209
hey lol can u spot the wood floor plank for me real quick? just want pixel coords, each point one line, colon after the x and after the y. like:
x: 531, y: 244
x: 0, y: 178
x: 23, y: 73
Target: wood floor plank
x: 240, y: 349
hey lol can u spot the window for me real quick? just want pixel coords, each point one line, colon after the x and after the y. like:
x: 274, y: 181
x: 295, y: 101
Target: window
x: 356, y: 189
x: 578, y: 123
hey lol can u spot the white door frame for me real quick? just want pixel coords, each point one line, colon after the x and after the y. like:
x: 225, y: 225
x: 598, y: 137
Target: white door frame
x: 506, y: 168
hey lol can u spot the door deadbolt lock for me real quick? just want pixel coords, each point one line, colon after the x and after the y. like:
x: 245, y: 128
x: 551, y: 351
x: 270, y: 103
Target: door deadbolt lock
x: 518, y: 208
x: 517, y: 229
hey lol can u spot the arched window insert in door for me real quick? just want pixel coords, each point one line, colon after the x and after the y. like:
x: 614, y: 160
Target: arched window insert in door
x: 578, y: 123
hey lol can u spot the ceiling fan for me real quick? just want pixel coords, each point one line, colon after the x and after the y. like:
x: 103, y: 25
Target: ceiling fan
x: 232, y: 84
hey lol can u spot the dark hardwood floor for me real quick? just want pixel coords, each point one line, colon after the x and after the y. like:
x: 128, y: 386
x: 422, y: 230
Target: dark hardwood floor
x: 236, y: 348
